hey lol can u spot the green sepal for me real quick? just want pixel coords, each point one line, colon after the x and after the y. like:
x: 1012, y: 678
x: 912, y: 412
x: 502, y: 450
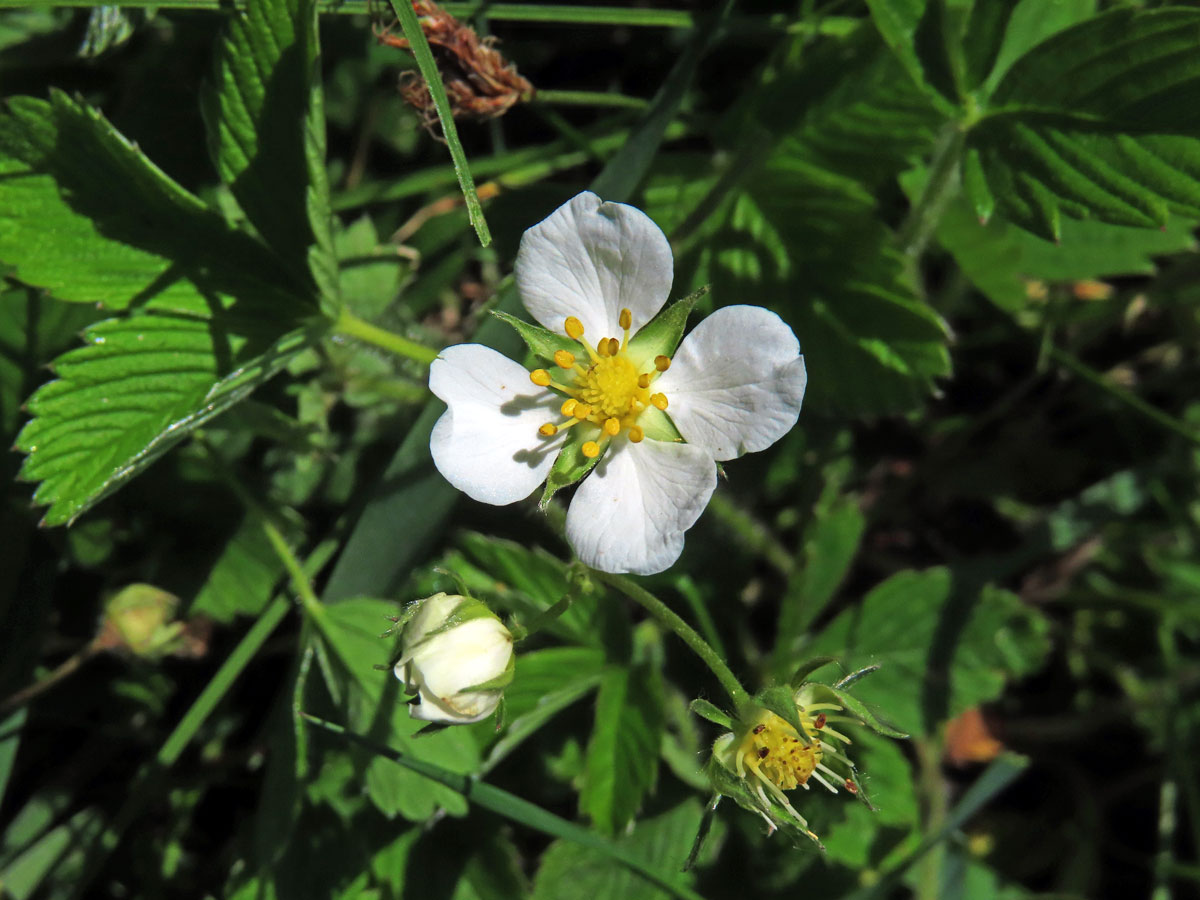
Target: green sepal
x: 542, y: 342
x: 728, y: 784
x: 706, y: 821
x: 466, y: 611
x: 808, y: 667
x: 845, y: 681
x: 662, y: 334
x: 499, y: 683
x: 713, y: 713
x: 781, y: 700
x: 569, y: 466
x: 864, y: 713
x: 459, y: 583
x: 658, y: 426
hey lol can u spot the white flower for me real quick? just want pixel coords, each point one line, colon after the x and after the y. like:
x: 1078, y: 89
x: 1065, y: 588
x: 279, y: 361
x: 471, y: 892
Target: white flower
x: 456, y: 655
x: 654, y: 427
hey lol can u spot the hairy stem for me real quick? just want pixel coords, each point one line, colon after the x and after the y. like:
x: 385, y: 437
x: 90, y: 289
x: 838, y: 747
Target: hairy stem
x: 686, y: 633
x: 351, y: 325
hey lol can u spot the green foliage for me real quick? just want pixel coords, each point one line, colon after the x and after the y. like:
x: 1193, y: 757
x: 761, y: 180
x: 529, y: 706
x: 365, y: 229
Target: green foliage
x: 995, y: 558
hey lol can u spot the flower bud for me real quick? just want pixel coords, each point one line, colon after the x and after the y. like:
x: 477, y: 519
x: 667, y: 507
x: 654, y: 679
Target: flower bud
x: 457, y: 656
x: 140, y: 619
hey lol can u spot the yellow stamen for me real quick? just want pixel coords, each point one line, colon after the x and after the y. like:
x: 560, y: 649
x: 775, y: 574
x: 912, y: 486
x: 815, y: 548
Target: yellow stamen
x: 582, y: 411
x: 540, y: 377
x: 626, y: 319
x: 563, y: 359
x: 602, y: 348
x: 590, y: 449
x: 659, y: 401
x: 644, y: 381
x: 568, y: 407
x: 612, y: 426
x: 573, y: 327
x: 548, y: 430
x: 636, y: 434
x: 662, y: 363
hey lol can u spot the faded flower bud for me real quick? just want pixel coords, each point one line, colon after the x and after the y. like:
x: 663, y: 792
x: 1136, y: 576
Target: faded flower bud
x: 140, y: 618
x: 457, y: 656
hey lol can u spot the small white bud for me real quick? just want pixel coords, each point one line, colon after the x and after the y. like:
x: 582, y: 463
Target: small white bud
x: 450, y: 646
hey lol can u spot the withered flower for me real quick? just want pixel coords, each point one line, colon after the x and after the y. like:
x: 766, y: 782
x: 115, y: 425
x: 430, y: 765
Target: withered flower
x: 480, y: 84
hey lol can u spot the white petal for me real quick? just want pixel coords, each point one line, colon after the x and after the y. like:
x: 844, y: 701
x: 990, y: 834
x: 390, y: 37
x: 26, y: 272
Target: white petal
x: 475, y: 652
x: 467, y: 708
x: 487, y: 443
x: 736, y: 384
x: 630, y: 513
x: 591, y: 259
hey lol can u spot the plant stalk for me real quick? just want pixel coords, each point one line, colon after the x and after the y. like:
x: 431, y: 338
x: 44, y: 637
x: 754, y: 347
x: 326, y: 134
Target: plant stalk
x: 350, y: 325
x: 686, y: 633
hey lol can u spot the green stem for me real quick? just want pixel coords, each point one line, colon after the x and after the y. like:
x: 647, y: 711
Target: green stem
x: 65, y: 668
x: 296, y: 574
x: 589, y: 98
x: 922, y: 219
x: 513, y: 808
x: 1130, y: 399
x: 351, y: 325
x: 687, y: 634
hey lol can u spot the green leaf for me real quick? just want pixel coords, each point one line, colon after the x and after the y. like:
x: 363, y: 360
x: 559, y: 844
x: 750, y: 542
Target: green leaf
x: 870, y: 345
x: 266, y: 133
x: 939, y: 652
x: 662, y: 334
x: 830, y: 544
x: 621, y: 766
x: 572, y: 872
x: 1001, y: 259
x: 244, y: 577
x: 1031, y: 22
x: 370, y: 275
x: 547, y: 682
x: 142, y: 384
x: 1098, y: 122
x: 86, y: 216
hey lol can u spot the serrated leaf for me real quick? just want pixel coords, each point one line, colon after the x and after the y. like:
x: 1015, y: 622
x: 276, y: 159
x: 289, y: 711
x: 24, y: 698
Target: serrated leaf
x: 140, y: 385
x: 1098, y: 122
x: 542, y: 342
x: 86, y: 216
x: 621, y: 764
x: 243, y: 579
x: 266, y: 133
x: 573, y: 872
x: 938, y: 652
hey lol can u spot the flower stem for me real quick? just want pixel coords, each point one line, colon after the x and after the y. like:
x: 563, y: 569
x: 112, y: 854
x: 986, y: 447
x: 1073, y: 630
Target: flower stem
x: 923, y: 218
x: 65, y: 668
x: 687, y: 634
x: 589, y: 98
x: 351, y: 325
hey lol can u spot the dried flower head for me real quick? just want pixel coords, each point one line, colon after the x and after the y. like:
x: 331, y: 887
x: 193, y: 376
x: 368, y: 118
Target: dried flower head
x: 480, y: 83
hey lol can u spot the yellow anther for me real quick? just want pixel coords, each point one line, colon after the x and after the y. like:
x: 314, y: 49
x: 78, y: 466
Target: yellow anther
x: 540, y: 377
x: 582, y: 411
x: 590, y: 449
x: 602, y: 347
x: 662, y: 363
x: 659, y: 401
x: 573, y: 327
x: 568, y: 407
x: 644, y: 381
x: 548, y: 430
x: 612, y: 426
x: 626, y: 319
x: 636, y: 434
x: 563, y: 359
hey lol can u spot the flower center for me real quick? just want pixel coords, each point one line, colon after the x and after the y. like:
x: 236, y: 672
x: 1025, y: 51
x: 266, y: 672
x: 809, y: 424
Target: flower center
x: 772, y: 748
x: 609, y: 392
